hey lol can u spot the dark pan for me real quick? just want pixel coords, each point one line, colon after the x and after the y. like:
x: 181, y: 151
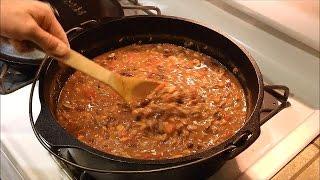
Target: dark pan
x: 117, y: 33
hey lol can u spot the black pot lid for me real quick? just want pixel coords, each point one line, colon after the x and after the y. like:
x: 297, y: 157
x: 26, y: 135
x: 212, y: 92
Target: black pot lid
x: 70, y: 13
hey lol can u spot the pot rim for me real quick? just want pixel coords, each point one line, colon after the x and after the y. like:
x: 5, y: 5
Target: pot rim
x: 201, y: 154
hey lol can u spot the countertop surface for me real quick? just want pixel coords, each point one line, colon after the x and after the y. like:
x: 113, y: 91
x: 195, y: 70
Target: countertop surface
x: 306, y: 165
x: 296, y: 18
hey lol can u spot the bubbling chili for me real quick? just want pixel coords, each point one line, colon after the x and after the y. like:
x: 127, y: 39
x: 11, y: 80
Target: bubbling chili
x: 200, y: 105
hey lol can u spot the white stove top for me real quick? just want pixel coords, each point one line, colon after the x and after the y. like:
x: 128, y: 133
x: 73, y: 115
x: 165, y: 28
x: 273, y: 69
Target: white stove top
x: 282, y: 137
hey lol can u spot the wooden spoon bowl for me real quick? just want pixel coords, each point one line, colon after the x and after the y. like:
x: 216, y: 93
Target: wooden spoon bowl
x: 129, y: 88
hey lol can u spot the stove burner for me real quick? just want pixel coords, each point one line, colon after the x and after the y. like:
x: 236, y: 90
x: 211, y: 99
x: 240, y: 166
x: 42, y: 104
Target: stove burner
x: 273, y: 102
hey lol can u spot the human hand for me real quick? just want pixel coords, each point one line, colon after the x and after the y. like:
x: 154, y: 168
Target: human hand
x: 34, y: 21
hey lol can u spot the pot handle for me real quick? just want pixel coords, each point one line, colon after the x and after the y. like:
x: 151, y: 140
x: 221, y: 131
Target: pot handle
x: 72, y: 32
x: 248, y: 137
x: 281, y: 97
x: 46, y: 126
x: 52, y: 132
x: 78, y: 29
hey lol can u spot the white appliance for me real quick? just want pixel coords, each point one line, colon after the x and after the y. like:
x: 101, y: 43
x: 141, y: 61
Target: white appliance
x: 282, y: 137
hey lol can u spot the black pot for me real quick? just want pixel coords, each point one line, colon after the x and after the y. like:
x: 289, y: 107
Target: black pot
x: 151, y: 29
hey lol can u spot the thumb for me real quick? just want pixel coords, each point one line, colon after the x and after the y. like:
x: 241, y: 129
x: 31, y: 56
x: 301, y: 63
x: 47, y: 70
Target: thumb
x: 50, y: 44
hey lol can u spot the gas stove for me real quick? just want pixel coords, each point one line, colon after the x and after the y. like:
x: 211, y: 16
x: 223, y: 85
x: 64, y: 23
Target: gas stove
x: 282, y: 137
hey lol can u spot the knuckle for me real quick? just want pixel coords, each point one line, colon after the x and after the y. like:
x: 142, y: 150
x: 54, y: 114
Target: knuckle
x: 51, y: 44
x: 30, y: 28
x: 46, y: 8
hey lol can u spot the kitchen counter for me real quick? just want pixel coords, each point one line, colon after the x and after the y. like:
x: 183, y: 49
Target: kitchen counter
x: 306, y: 165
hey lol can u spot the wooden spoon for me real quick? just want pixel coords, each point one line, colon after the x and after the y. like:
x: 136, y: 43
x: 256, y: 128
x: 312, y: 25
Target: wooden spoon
x: 129, y: 88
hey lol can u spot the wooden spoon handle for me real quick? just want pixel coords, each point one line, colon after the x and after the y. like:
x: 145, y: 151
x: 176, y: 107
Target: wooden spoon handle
x: 83, y: 64
x: 127, y: 87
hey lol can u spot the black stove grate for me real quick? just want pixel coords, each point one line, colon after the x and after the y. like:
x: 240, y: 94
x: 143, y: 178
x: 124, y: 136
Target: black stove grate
x: 13, y: 76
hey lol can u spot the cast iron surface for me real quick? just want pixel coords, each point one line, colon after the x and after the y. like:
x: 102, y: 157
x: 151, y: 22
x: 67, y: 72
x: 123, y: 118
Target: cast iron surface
x: 71, y: 13
x: 79, y: 174
x: 100, y: 39
x: 271, y: 102
x: 14, y: 76
x: 152, y: 29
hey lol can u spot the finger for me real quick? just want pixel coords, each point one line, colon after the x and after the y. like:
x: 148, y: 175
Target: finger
x: 50, y: 44
x: 56, y: 29
x: 46, y: 19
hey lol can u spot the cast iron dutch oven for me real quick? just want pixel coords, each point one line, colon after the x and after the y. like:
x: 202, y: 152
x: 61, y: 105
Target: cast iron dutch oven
x: 109, y: 35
